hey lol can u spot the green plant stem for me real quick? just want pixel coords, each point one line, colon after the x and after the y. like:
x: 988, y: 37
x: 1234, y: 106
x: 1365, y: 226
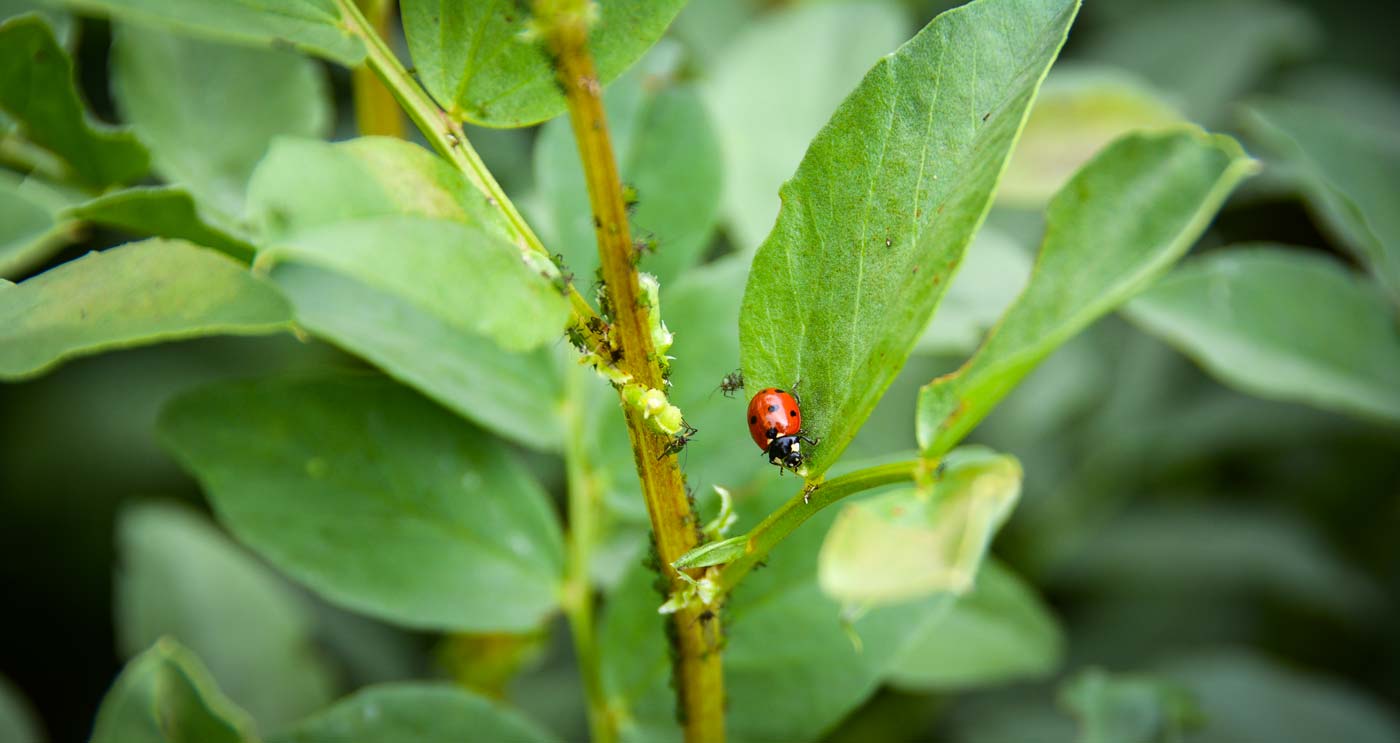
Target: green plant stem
x: 780, y: 523
x: 446, y: 136
x: 698, y: 672
x: 377, y: 113
x: 585, y: 502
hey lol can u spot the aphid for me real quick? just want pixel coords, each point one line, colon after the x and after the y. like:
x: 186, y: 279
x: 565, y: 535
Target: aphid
x: 732, y: 382
x: 775, y: 423
x: 679, y: 440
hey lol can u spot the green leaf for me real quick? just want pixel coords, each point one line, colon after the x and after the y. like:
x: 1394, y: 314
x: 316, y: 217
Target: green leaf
x: 161, y: 211
x: 165, y: 695
x: 1216, y: 554
x: 419, y: 712
x: 208, y: 111
x: 32, y: 226
x: 1351, y: 174
x: 463, y: 274
x: 1115, y: 227
x: 180, y: 577
x: 311, y: 26
x: 792, y: 665
x: 1079, y: 112
x: 516, y: 396
x: 666, y: 150
x: 305, y: 184
x: 1205, y: 54
x: 886, y: 200
x: 1238, y: 313
x: 1248, y: 699
x: 38, y: 90
x: 60, y: 21
x: 483, y: 61
x: 1129, y: 708
x: 998, y: 633
x: 908, y: 543
x: 375, y: 498
x: 774, y: 87
x: 401, y: 221
x: 135, y: 294
x: 17, y: 721
x: 993, y: 272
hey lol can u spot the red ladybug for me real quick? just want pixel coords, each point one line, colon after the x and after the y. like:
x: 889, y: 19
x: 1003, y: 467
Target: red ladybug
x: 775, y: 422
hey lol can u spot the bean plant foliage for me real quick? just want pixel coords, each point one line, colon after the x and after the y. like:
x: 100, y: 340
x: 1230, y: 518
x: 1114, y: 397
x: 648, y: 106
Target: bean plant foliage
x: 480, y: 341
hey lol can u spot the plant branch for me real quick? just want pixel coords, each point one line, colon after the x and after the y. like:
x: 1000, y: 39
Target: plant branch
x: 780, y: 523
x: 377, y: 113
x: 698, y: 673
x: 585, y: 503
x: 446, y: 136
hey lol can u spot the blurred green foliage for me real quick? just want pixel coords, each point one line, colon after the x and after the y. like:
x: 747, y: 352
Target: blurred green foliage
x: 1220, y: 537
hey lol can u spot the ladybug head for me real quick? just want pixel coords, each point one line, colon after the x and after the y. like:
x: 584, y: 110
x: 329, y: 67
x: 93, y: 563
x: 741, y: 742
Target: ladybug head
x: 793, y: 460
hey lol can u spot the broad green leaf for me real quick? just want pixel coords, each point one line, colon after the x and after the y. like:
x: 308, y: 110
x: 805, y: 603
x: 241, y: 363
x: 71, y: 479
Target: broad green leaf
x: 666, y: 150
x: 305, y: 184
x: 1128, y: 708
x: 208, y: 111
x: 165, y: 695
x: 309, y: 473
x: 886, y: 200
x: 180, y: 577
x: 60, y: 21
x: 462, y: 274
x: 135, y: 294
x: 37, y: 90
x: 312, y: 26
x: 516, y: 396
x: 418, y: 712
x: 792, y: 665
x: 32, y: 225
x: 993, y: 272
x: 17, y: 720
x: 161, y: 211
x: 1079, y: 112
x: 774, y: 87
x: 483, y: 61
x: 1351, y: 174
x: 399, y: 220
x: 1245, y: 698
x: 1282, y: 323
x: 909, y: 543
x: 1205, y: 54
x: 1117, y: 225
x: 997, y: 633
x: 1216, y: 554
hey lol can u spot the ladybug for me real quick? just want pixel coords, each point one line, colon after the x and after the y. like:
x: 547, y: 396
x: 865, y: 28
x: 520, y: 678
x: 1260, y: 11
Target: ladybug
x: 775, y: 423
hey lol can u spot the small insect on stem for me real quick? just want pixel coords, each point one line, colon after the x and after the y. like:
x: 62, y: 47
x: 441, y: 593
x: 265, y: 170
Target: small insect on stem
x: 679, y: 440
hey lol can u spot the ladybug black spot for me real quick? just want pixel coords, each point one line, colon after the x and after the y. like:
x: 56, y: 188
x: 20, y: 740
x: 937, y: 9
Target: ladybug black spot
x: 753, y: 419
x: 792, y: 413
x: 779, y: 392
x: 772, y: 408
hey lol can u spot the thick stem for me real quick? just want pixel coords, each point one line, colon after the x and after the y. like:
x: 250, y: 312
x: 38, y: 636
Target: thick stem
x: 446, y: 136
x: 585, y: 503
x: 780, y: 523
x: 698, y: 673
x: 377, y: 113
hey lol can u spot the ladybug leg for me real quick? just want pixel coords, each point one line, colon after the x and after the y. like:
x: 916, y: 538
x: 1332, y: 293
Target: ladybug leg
x: 793, y: 392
